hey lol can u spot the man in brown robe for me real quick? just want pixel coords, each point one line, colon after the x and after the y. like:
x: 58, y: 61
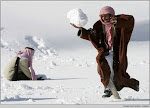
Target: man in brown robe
x: 119, y: 33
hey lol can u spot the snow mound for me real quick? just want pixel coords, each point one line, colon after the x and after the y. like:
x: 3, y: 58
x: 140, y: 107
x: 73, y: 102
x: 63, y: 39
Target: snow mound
x: 35, y: 42
x: 77, y: 17
x: 39, y: 45
x: 43, y: 49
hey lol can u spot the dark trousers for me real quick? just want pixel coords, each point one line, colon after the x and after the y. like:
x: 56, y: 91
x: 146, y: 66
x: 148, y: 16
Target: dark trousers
x: 20, y: 76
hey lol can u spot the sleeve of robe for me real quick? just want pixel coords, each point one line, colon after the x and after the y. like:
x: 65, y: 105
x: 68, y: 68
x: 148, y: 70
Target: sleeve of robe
x: 126, y: 22
x: 83, y: 33
x: 91, y: 35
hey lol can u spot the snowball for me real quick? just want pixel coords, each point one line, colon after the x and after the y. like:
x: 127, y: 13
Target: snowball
x: 77, y: 17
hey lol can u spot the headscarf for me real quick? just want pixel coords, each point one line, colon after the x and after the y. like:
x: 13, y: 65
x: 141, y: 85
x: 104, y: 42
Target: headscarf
x: 107, y: 10
x: 28, y: 53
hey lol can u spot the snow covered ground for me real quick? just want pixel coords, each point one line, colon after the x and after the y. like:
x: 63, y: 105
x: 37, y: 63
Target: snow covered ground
x: 68, y: 62
x: 72, y: 77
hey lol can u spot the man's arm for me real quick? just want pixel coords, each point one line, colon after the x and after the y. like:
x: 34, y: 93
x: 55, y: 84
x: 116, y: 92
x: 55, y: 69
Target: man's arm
x: 83, y: 33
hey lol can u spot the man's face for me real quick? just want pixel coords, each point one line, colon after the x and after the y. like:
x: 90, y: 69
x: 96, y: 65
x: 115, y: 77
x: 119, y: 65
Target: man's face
x: 106, y: 17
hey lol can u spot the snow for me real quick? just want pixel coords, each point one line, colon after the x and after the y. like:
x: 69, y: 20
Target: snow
x: 66, y: 62
x: 77, y: 17
x: 39, y: 45
x: 67, y: 83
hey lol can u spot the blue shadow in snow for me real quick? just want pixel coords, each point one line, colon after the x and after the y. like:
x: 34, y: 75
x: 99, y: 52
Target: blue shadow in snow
x: 67, y: 78
x: 137, y: 100
x: 26, y: 99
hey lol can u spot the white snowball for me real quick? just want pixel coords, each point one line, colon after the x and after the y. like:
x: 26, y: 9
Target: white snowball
x: 77, y: 17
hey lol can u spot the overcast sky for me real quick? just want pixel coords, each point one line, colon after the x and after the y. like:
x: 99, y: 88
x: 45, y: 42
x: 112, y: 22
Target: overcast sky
x: 47, y: 16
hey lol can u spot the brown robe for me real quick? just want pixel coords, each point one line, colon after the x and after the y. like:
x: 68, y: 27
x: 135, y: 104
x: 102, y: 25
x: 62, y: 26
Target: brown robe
x: 121, y: 35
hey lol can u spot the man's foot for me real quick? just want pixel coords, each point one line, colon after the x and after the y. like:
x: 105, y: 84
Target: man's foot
x: 135, y: 85
x: 137, y: 88
x: 108, y: 93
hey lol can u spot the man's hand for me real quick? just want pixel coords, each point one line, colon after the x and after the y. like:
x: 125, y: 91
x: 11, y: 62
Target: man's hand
x: 75, y: 26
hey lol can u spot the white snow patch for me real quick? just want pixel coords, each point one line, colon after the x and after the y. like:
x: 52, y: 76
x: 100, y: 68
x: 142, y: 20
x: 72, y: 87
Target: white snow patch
x: 144, y: 62
x: 25, y: 87
x: 30, y: 100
